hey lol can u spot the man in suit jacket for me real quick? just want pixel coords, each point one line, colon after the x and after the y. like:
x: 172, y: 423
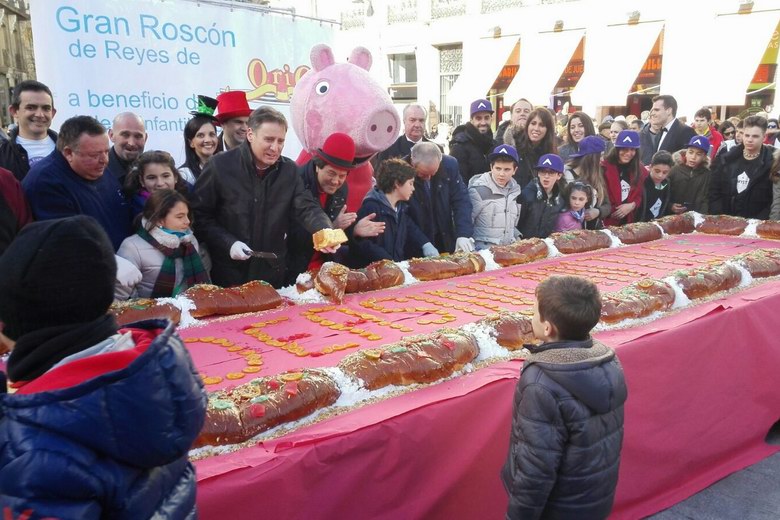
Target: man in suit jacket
x: 673, y: 135
x: 414, y: 128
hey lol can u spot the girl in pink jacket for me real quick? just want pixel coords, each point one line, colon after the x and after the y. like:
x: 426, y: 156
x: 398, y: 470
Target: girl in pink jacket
x: 577, y: 196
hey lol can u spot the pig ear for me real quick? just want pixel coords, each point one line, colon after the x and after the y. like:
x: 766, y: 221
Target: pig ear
x: 361, y: 57
x: 321, y: 56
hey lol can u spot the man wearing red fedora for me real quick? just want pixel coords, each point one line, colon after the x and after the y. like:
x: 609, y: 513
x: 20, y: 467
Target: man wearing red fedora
x: 325, y: 175
x: 232, y: 114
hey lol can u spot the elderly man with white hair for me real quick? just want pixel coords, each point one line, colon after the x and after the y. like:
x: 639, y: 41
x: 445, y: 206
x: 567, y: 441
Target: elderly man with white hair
x: 440, y: 205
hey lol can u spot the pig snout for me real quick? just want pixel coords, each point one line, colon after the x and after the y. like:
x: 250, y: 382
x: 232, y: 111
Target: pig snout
x: 382, y: 129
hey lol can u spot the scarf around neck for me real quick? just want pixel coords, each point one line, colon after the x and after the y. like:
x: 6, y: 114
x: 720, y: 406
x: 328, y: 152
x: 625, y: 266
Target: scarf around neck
x: 194, y: 273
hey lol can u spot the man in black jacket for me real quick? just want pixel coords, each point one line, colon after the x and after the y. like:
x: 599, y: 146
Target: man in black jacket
x: 440, y: 204
x: 245, y: 200
x: 567, y: 424
x: 32, y: 104
x: 672, y: 135
x: 325, y: 176
x: 414, y: 117
x: 471, y: 143
x: 740, y: 183
x: 128, y: 136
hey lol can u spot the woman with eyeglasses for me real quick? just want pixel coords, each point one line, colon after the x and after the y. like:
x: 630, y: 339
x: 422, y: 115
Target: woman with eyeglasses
x: 624, y: 175
x: 579, y: 127
x: 585, y: 166
x: 537, y: 138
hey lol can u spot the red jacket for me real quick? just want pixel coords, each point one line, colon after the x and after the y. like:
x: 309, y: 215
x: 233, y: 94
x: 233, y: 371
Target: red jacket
x: 612, y: 178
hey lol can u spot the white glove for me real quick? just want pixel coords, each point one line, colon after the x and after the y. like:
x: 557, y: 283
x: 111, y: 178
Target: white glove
x: 429, y: 250
x: 238, y: 251
x: 464, y: 244
x: 127, y: 274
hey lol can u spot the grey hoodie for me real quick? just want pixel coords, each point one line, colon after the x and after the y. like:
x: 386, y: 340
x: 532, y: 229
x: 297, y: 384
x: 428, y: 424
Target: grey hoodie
x: 495, y: 210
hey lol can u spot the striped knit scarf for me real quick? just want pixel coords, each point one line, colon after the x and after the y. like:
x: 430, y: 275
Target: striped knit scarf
x: 194, y: 272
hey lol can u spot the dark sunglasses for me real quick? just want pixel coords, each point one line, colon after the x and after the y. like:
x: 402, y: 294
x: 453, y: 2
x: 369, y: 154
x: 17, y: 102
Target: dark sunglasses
x: 729, y: 132
x: 771, y: 125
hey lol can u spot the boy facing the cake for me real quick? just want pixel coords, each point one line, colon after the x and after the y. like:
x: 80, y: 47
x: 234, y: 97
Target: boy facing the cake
x: 567, y: 425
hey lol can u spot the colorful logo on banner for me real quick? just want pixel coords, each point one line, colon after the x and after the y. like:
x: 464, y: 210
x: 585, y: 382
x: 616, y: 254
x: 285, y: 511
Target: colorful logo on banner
x: 273, y: 85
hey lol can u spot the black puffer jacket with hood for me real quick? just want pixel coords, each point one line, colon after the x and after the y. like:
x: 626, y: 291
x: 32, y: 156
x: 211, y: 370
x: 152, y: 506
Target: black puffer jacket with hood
x: 567, y: 431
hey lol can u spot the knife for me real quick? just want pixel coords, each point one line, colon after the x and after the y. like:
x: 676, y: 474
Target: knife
x: 261, y: 254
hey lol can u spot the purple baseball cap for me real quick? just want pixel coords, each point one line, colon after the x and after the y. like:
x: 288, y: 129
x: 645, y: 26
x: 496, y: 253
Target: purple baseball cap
x: 589, y: 145
x: 481, y: 105
x: 504, y: 151
x: 550, y: 161
x: 700, y: 142
x: 627, y: 139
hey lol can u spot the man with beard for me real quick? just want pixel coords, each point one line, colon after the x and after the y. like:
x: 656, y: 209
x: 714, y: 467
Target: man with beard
x: 471, y: 143
x: 128, y: 134
x: 519, y: 118
x: 232, y: 114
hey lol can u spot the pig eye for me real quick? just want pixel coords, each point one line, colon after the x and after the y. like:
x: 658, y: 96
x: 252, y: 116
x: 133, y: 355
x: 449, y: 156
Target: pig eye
x: 322, y: 87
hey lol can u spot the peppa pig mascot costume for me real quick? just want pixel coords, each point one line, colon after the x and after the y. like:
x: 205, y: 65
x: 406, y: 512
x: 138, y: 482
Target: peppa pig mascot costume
x: 343, y: 97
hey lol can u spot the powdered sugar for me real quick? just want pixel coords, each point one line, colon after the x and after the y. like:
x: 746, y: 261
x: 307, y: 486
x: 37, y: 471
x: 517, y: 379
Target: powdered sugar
x: 408, y: 278
x: 490, y: 263
x: 552, y: 251
x: 680, y: 298
x: 614, y: 241
x: 746, y: 278
x: 311, y: 296
x: 750, y: 230
x: 486, y: 339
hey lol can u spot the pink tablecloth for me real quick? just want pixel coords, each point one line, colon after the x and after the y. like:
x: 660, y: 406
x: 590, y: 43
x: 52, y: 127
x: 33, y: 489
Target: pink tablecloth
x: 702, y: 395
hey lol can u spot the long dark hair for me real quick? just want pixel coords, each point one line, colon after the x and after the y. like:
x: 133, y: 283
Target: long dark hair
x: 525, y: 146
x: 191, y: 159
x: 584, y: 187
x: 134, y: 182
x: 590, y: 173
x: 634, y: 167
x: 587, y: 122
x: 160, y: 203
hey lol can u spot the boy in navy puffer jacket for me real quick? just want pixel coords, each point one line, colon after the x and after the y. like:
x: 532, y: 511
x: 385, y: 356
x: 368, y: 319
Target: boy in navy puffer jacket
x: 567, y: 425
x: 103, y: 418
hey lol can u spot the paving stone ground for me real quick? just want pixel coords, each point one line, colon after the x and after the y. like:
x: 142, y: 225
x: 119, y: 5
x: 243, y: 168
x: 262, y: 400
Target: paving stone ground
x: 750, y: 494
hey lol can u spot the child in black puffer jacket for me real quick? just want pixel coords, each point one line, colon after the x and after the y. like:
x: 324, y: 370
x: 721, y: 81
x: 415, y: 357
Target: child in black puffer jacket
x: 567, y: 425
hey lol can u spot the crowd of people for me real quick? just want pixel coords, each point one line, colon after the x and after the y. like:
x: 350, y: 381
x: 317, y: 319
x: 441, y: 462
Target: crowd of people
x: 122, y: 221
x: 254, y: 211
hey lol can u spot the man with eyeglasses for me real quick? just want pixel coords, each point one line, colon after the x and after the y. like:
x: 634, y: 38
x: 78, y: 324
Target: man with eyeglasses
x: 71, y: 180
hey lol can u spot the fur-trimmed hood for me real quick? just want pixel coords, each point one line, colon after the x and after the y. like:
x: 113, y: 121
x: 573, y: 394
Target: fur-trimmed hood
x: 566, y: 362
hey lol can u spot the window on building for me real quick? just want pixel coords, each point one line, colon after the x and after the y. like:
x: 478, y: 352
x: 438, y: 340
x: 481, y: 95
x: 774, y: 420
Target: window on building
x: 450, y: 65
x: 403, y: 74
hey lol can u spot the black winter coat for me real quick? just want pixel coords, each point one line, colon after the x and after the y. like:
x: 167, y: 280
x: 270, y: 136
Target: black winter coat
x: 14, y: 157
x: 538, y: 213
x: 400, y: 148
x: 471, y: 149
x: 400, y: 231
x: 650, y: 197
x: 448, y: 214
x: 300, y: 247
x: 567, y: 433
x: 231, y: 202
x: 756, y: 199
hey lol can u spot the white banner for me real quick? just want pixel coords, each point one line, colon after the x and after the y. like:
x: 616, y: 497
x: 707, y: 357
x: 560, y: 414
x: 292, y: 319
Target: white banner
x: 103, y: 57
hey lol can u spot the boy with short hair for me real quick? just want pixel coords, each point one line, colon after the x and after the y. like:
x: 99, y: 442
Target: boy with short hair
x: 656, y: 189
x: 389, y: 202
x: 541, y: 198
x: 494, y: 194
x: 690, y: 179
x: 567, y: 425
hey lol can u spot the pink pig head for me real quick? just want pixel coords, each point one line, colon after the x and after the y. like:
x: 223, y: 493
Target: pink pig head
x: 343, y: 97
